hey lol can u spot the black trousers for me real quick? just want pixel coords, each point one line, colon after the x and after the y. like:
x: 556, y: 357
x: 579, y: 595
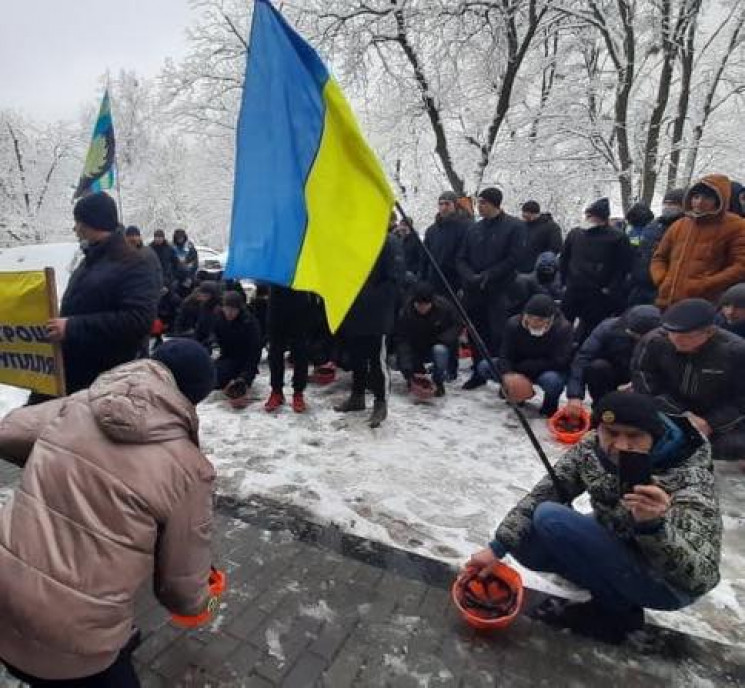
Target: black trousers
x: 489, y: 316
x: 297, y: 344
x: 121, y: 674
x: 590, y: 307
x: 367, y: 356
x: 601, y: 377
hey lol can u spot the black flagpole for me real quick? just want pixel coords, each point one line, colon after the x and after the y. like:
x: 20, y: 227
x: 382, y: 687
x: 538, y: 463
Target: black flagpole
x: 481, y: 346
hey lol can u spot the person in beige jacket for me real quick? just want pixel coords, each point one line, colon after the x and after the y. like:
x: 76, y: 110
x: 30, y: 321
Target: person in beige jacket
x: 114, y: 490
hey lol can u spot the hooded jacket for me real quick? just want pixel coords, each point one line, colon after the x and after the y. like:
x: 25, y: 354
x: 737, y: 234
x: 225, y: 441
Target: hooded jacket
x: 114, y: 490
x: 684, y: 548
x: 701, y: 257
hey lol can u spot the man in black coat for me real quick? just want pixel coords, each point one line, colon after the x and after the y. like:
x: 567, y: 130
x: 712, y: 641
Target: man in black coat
x: 365, y: 329
x: 542, y: 235
x: 594, y: 266
x: 238, y: 335
x: 603, y: 362
x: 110, y: 302
x: 428, y: 329
x: 166, y: 255
x: 487, y: 263
x: 693, y: 368
x: 732, y: 316
x: 443, y: 239
x: 537, y: 344
x: 198, y: 313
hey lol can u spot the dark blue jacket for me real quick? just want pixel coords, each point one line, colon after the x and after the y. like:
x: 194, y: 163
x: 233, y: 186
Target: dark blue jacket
x: 641, y: 288
x: 443, y: 240
x: 110, y: 303
x: 531, y: 356
x: 489, y: 255
x: 610, y: 342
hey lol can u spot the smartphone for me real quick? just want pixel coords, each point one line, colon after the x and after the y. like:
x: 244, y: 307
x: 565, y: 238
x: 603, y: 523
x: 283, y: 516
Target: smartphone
x: 634, y: 469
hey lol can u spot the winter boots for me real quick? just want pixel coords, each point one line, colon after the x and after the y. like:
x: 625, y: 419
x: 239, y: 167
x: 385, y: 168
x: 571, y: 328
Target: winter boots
x: 379, y: 413
x: 276, y: 399
x: 298, y: 403
x: 355, y: 402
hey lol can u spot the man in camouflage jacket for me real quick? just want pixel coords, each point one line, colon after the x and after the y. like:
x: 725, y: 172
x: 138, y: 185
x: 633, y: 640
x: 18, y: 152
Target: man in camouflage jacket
x: 656, y: 547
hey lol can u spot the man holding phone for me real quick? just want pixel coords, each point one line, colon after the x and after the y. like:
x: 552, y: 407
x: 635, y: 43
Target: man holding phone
x: 654, y: 545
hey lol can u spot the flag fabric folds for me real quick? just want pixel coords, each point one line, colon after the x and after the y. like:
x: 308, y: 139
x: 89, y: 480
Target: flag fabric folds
x: 99, y: 171
x: 311, y: 203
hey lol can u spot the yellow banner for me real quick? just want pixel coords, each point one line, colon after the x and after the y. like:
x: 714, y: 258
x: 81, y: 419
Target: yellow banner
x: 27, y: 359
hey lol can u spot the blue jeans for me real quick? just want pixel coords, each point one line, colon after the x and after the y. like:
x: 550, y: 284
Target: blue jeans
x: 441, y: 363
x: 551, y: 382
x: 580, y: 549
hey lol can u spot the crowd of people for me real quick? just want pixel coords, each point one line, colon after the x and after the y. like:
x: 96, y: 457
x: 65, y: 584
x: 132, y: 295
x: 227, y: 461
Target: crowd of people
x: 645, y: 314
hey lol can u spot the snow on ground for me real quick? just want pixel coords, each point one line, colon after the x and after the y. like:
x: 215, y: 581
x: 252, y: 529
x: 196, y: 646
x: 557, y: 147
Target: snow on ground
x: 435, y: 479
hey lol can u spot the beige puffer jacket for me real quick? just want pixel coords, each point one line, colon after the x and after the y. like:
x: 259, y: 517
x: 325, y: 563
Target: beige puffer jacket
x: 114, y: 490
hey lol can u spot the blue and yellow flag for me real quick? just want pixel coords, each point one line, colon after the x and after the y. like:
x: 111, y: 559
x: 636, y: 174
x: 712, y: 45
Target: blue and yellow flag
x: 99, y: 171
x: 311, y: 203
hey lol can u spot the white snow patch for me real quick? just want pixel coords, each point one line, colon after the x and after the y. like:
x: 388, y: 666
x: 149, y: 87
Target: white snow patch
x: 272, y: 635
x: 397, y: 664
x: 319, y: 611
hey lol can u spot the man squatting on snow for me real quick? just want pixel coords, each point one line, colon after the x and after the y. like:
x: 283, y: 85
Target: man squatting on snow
x: 657, y: 547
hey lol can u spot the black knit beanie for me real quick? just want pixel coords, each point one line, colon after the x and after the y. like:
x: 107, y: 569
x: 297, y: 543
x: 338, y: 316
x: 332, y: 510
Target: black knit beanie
x: 97, y: 211
x: 630, y: 408
x: 191, y: 366
x: 541, y: 306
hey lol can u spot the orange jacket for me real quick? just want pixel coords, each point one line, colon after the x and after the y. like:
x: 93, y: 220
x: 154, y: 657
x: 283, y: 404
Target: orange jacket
x: 701, y: 257
x: 114, y: 491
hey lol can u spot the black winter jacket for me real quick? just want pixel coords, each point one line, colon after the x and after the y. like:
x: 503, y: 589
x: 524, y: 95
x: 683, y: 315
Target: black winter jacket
x: 110, y: 304
x: 421, y: 332
x: 531, y: 356
x: 168, y: 261
x: 374, y: 310
x: 596, y: 260
x: 240, y: 341
x: 443, y: 240
x: 489, y: 254
x: 541, y: 235
x: 709, y: 382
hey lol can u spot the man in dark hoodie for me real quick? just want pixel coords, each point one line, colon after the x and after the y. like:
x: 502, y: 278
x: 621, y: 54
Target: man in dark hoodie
x: 542, y: 234
x: 594, y: 266
x: 537, y: 344
x: 238, y: 336
x: 603, y: 362
x: 198, y: 313
x: 487, y: 262
x: 732, y: 310
x: 428, y: 331
x: 641, y: 287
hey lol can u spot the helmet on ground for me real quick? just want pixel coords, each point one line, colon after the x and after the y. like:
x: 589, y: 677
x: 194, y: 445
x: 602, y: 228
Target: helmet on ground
x: 324, y: 374
x: 422, y: 387
x: 568, y: 428
x: 517, y: 387
x: 491, y: 599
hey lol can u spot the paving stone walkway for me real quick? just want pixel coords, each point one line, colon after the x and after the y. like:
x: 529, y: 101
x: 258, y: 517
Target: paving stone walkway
x: 300, y: 614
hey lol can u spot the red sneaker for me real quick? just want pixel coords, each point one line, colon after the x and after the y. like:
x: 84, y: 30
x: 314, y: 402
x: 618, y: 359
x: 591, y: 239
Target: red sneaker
x: 276, y: 399
x: 298, y: 403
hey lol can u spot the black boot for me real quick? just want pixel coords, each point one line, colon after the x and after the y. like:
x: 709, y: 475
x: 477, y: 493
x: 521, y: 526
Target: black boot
x: 355, y: 402
x: 473, y: 382
x: 590, y: 619
x: 439, y: 389
x: 379, y: 413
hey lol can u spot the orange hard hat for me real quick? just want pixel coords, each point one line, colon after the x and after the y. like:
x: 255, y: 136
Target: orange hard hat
x: 491, y: 599
x: 568, y: 428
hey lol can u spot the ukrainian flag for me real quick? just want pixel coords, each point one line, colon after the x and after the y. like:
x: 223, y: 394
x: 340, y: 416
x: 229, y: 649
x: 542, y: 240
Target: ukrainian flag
x: 311, y: 203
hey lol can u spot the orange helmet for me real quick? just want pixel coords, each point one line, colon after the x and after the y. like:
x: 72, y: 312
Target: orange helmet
x: 489, y: 599
x: 567, y: 428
